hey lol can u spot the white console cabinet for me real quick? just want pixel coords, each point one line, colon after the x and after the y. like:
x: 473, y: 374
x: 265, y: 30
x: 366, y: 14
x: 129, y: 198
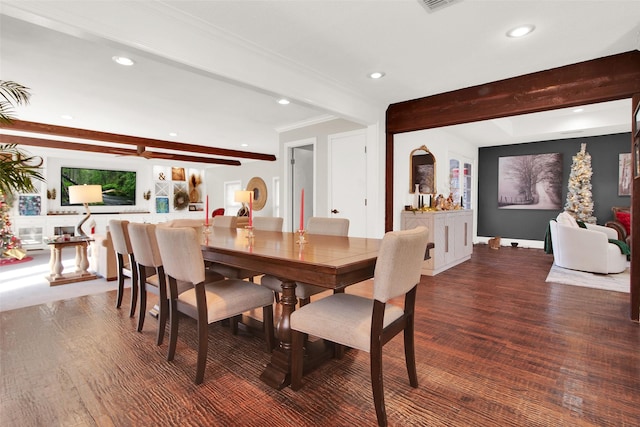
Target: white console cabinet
x: 450, y: 231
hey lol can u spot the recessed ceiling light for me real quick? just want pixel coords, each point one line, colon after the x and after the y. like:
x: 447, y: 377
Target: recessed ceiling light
x: 173, y: 133
x: 376, y: 75
x: 578, y: 110
x: 283, y: 101
x: 244, y: 145
x: 521, y: 30
x: 67, y: 117
x: 123, y: 60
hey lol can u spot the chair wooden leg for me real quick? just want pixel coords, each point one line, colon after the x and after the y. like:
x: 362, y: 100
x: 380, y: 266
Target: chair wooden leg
x: 162, y: 319
x: 142, y: 288
x: 410, y: 354
x: 203, y: 332
x: 234, y: 323
x: 297, y: 354
x: 267, y: 324
x: 173, y: 326
x: 120, y: 280
x: 304, y: 301
x: 134, y: 287
x: 377, y: 384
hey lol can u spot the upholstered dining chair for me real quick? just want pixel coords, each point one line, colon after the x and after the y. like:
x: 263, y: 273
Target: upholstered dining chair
x: 315, y: 225
x: 206, y: 302
x: 151, y: 272
x: 268, y: 223
x: 367, y: 324
x: 226, y: 221
x: 126, y: 262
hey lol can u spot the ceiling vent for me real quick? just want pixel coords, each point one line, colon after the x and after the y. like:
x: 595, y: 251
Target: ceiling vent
x: 435, y: 5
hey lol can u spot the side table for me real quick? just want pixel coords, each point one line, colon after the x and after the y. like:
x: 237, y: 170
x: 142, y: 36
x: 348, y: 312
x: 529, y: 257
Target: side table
x: 57, y: 277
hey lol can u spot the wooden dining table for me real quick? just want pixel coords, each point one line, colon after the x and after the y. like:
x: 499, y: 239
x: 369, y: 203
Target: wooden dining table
x: 332, y: 262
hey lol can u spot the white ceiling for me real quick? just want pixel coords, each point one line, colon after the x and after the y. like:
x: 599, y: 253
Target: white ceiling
x: 212, y: 70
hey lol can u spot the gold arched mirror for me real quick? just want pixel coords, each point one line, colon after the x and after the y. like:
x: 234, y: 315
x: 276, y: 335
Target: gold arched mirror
x: 423, y: 171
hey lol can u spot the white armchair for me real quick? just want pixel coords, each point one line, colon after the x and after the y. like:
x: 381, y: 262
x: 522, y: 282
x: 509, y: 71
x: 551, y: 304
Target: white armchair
x: 585, y: 249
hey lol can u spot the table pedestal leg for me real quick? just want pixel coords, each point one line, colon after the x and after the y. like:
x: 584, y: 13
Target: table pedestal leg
x: 82, y: 261
x: 277, y: 372
x: 55, y: 264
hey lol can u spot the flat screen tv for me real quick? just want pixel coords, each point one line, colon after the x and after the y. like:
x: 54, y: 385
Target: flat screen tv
x: 118, y: 187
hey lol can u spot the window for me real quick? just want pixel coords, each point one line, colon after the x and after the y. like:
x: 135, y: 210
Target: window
x: 231, y: 207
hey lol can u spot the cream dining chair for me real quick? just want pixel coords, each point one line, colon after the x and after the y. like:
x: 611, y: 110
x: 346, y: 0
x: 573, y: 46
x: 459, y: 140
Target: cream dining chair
x: 367, y: 324
x: 227, y: 221
x: 151, y: 272
x: 126, y: 262
x: 316, y: 225
x: 206, y: 302
x: 268, y: 223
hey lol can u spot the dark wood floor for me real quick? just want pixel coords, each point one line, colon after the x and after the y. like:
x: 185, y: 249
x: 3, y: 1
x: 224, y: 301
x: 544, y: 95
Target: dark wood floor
x: 496, y: 346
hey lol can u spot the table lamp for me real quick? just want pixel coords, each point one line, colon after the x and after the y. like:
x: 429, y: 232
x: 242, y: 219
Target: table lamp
x: 244, y: 197
x: 84, y: 194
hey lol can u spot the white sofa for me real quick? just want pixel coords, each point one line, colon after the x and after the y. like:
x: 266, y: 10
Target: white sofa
x: 585, y: 249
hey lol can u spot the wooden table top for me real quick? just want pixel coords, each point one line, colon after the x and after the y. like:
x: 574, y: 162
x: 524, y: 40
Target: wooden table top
x: 328, y: 261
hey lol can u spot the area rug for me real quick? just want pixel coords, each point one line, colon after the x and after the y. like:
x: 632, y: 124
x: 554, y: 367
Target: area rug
x: 611, y: 282
x: 12, y: 261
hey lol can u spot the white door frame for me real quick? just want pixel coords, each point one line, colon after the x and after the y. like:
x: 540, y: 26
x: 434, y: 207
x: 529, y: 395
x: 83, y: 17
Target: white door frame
x: 288, y: 197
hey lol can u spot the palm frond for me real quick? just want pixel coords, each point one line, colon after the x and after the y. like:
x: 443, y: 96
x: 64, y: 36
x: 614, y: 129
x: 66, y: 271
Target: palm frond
x: 18, y: 170
x: 14, y: 94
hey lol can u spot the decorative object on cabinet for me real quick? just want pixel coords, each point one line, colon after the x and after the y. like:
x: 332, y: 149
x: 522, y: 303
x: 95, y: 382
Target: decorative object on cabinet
x: 259, y: 188
x: 51, y: 194
x: 162, y: 205
x: 84, y: 194
x: 147, y: 195
x: 423, y: 171
x: 29, y: 205
x: 519, y: 177
x: 450, y: 231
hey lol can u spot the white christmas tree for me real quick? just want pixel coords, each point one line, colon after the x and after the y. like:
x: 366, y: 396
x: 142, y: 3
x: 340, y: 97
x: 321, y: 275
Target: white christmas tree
x: 579, y: 198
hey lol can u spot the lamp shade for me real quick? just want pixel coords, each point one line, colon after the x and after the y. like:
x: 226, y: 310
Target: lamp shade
x: 242, y: 196
x: 85, y: 194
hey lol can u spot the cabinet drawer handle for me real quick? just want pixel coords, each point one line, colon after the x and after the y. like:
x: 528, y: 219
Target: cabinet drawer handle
x: 446, y: 238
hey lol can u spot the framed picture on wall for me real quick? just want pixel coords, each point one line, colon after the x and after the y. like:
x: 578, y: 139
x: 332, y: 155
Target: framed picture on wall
x: 532, y: 181
x: 624, y: 174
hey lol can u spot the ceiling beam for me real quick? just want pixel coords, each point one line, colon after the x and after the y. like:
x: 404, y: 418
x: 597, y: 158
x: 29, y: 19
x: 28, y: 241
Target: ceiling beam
x: 63, y: 145
x: 43, y: 128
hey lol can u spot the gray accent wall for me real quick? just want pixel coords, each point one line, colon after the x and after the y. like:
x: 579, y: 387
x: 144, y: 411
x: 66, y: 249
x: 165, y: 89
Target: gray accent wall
x: 532, y: 224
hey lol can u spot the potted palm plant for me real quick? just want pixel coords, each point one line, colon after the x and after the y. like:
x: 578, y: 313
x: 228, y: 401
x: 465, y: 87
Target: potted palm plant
x: 18, y: 169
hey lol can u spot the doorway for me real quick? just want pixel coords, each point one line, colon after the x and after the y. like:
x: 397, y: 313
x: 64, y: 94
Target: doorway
x: 300, y: 161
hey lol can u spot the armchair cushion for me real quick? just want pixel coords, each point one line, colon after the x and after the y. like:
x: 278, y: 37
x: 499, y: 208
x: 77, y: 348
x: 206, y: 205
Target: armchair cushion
x: 625, y: 219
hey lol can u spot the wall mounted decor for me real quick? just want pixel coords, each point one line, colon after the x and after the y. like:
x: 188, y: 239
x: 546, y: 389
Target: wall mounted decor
x: 624, y: 174
x: 162, y: 205
x: 177, y: 174
x: 29, y: 205
x: 259, y: 188
x: 423, y: 171
x: 530, y: 182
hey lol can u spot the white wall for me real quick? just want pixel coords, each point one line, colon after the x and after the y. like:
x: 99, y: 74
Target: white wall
x: 443, y: 146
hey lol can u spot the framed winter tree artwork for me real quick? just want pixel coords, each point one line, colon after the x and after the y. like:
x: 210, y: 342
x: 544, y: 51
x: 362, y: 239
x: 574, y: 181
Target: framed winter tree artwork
x: 532, y: 181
